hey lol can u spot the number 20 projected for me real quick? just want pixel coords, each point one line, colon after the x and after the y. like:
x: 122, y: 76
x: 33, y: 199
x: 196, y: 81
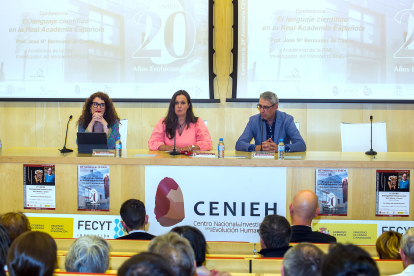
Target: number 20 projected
x: 178, y: 37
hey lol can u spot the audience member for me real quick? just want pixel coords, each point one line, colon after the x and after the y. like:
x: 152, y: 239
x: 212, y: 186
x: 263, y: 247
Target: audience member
x: 198, y: 243
x: 407, y: 253
x: 32, y: 253
x: 15, y: 224
x: 303, y: 209
x: 348, y: 259
x: 88, y: 254
x: 134, y: 219
x: 178, y: 252
x: 275, y: 234
x: 388, y: 245
x: 4, y: 248
x: 304, y: 259
x: 146, y: 264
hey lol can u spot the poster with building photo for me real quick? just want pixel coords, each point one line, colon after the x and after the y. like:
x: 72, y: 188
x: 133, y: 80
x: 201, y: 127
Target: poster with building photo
x: 393, y: 193
x: 39, y: 187
x: 331, y: 187
x: 93, y: 188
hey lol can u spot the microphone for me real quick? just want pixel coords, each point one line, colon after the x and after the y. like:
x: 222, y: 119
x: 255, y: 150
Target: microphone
x: 174, y: 152
x: 64, y: 149
x: 261, y: 136
x: 371, y: 151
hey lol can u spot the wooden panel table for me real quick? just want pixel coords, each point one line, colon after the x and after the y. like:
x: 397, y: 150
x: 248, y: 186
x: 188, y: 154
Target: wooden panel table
x: 128, y: 175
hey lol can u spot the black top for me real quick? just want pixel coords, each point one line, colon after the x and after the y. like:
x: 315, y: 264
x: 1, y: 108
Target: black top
x: 137, y: 236
x: 303, y: 233
x: 274, y: 253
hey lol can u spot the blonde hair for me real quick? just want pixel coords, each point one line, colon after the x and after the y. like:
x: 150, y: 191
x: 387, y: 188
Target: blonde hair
x: 388, y: 245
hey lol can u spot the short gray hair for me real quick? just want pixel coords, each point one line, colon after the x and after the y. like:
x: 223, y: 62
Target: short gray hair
x: 270, y: 96
x: 177, y: 251
x: 88, y: 254
x: 407, y: 245
x: 302, y: 260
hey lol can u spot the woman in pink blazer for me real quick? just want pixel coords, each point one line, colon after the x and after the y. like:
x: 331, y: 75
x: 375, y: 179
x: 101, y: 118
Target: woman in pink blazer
x: 190, y: 132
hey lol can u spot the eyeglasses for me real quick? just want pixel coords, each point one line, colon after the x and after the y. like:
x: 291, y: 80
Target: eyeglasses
x: 265, y: 108
x: 95, y: 104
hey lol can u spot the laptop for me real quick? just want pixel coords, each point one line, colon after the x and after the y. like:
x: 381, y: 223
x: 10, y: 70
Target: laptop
x: 88, y: 141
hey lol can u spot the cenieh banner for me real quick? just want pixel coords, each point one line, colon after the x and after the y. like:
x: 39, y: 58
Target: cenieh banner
x: 75, y: 226
x: 359, y: 231
x: 225, y: 203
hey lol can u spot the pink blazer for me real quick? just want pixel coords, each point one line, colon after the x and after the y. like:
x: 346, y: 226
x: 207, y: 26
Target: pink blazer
x: 196, y: 134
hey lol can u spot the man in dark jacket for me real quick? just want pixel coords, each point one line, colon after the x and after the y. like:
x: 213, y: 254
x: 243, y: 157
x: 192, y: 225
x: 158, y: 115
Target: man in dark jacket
x: 275, y: 234
x: 303, y: 209
x: 134, y: 219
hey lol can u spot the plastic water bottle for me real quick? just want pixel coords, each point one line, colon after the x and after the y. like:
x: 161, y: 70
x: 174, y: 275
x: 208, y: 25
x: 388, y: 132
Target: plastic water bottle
x: 1, y: 147
x: 118, y: 147
x: 281, y: 150
x: 220, y: 148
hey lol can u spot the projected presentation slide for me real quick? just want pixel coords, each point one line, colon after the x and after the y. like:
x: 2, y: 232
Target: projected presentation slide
x: 326, y: 49
x: 129, y: 49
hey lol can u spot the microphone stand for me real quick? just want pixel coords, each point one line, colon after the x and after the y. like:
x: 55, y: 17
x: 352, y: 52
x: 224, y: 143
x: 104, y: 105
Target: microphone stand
x: 64, y: 149
x: 261, y: 136
x: 371, y: 151
x: 174, y: 151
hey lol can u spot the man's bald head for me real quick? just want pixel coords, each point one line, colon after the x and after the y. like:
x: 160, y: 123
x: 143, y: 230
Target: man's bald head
x: 304, y: 207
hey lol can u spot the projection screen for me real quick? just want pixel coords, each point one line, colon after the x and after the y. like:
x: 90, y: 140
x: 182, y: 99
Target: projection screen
x: 325, y: 49
x: 130, y: 49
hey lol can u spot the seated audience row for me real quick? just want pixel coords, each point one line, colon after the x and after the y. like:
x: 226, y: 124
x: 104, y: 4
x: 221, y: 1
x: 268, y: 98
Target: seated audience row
x: 185, y: 247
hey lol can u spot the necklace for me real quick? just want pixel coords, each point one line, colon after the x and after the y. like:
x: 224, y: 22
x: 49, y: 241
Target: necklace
x: 180, y: 126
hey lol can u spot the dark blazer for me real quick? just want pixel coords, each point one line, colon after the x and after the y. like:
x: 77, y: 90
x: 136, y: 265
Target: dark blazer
x: 137, y: 236
x: 303, y: 233
x: 284, y: 129
x: 274, y: 253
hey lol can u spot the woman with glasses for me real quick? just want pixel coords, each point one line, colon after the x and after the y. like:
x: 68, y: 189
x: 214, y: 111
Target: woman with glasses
x: 189, y: 131
x: 99, y: 115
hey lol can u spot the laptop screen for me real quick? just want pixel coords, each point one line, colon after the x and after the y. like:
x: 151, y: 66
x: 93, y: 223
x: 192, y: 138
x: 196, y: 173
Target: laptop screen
x: 87, y: 141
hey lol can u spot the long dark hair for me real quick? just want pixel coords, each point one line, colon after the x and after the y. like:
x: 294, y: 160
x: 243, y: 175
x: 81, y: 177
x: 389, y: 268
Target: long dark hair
x: 196, y: 239
x: 170, y: 120
x: 4, y: 248
x: 110, y: 114
x: 32, y: 253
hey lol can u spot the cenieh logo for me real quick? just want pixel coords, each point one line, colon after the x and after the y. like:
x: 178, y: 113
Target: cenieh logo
x: 169, y: 203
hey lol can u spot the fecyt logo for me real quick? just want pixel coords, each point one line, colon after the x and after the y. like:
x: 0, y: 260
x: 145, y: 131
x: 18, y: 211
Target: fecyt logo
x: 169, y: 203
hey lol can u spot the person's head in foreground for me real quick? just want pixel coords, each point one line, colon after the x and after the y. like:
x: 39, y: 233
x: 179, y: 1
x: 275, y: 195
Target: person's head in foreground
x: 268, y: 104
x: 133, y: 214
x: 407, y: 247
x: 348, y: 259
x: 196, y: 239
x: 15, y: 224
x: 88, y: 254
x: 388, y: 245
x: 304, y: 259
x: 49, y: 171
x: 4, y: 248
x: 274, y: 232
x: 304, y: 208
x: 146, y: 264
x: 180, y: 107
x: 178, y: 252
x: 98, y: 102
x: 32, y: 253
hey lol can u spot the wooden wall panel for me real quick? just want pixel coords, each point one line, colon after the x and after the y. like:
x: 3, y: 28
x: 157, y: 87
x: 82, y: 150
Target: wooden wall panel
x: 128, y: 181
